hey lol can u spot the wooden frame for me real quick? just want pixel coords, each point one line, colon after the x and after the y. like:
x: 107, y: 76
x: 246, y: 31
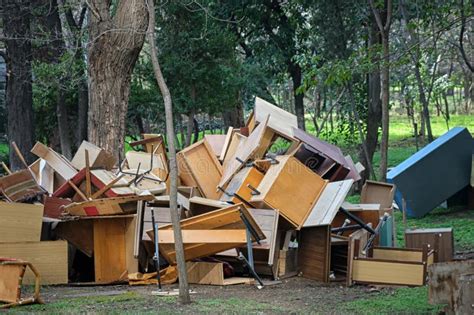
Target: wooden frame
x: 314, y: 253
x: 11, y: 278
x: 410, y: 265
x: 238, y: 185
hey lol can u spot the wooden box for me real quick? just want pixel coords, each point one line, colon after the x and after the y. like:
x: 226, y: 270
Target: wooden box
x: 239, y: 185
x: 212, y: 273
x: 440, y: 239
x: 290, y: 187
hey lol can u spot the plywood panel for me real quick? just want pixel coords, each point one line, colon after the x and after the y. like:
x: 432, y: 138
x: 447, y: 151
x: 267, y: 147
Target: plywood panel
x: 10, y: 282
x: 239, y: 184
x: 387, y: 272
x: 109, y: 250
x: 59, y: 163
x: 98, y: 157
x: 328, y: 204
x: 314, y: 253
x: 204, y: 236
x: 280, y: 121
x: 236, y: 141
x: 50, y: 258
x: 20, y: 222
x: 216, y: 142
x: 398, y: 255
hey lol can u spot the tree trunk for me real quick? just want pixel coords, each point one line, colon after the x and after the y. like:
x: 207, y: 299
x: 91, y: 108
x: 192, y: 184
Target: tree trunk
x: 82, y: 108
x: 295, y: 72
x: 63, y: 124
x: 182, y: 272
x: 116, y: 42
x: 423, y: 101
x: 189, y: 127
x: 19, y: 98
x: 374, y: 108
x: 385, y: 84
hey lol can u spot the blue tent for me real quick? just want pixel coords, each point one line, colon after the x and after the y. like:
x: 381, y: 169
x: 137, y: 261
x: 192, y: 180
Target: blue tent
x: 435, y: 173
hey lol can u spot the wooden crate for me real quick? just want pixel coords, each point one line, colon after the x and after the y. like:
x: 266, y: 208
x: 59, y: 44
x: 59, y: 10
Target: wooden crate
x: 239, y: 185
x: 394, y: 266
x: 290, y: 187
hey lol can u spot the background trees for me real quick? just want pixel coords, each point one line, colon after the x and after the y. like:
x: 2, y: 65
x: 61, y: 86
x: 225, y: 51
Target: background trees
x: 325, y: 61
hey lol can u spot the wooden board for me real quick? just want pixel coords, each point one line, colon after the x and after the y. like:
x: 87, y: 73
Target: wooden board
x: 198, y: 166
x: 204, y: 236
x: 216, y: 142
x: 280, y: 121
x: 78, y: 233
x: 239, y: 185
x: 59, y: 163
x: 314, y: 255
x: 252, y: 148
x: 225, y: 146
x: 391, y: 253
x: 146, y: 161
x: 20, y: 222
x: 226, y: 218
x: 236, y: 141
x: 49, y: 257
x: 106, y: 206
x: 385, y: 272
x: 113, y: 249
x: 287, y: 182
x: 362, y: 237
x: 328, y: 204
x: 440, y: 239
x: 267, y: 220
x: 98, y: 157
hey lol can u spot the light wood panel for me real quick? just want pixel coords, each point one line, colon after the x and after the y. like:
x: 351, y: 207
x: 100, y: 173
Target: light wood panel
x: 20, y: 222
x: 236, y: 141
x: 398, y: 255
x: 204, y: 236
x: 211, y: 273
x: 239, y: 184
x: 49, y: 257
x: 10, y: 282
x: 387, y: 272
x: 98, y: 157
x: 59, y: 163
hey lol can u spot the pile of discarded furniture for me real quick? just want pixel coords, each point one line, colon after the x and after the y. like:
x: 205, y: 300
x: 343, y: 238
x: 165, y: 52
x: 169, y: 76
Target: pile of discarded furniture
x: 260, y: 203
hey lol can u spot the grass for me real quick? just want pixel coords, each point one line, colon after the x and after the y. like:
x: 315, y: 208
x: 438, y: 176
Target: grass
x: 398, y: 301
x: 235, y: 305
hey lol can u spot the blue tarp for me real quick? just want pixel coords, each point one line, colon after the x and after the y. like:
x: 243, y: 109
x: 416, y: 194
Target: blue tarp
x: 435, y: 173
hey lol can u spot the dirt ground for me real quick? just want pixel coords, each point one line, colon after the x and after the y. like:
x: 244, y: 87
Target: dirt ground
x: 294, y: 295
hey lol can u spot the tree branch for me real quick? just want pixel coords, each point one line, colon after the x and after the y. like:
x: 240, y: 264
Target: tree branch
x: 461, y: 38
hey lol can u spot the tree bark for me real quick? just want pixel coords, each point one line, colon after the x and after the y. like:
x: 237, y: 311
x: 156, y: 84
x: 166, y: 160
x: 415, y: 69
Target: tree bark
x: 116, y: 41
x: 295, y: 72
x: 384, y: 29
x: 19, y: 97
x: 182, y: 272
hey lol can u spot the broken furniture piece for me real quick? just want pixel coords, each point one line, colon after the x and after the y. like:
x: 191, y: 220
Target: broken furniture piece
x: 212, y: 273
x: 11, y: 278
x: 435, y: 173
x: 440, y: 239
x: 381, y: 262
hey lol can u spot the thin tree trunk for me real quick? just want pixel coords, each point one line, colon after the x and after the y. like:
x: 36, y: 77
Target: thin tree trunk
x: 182, y: 273
x: 295, y: 72
x: 19, y: 97
x: 63, y: 124
x: 116, y: 41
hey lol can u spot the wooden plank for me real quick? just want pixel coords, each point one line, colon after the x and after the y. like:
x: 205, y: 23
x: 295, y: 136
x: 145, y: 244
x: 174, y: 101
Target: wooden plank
x: 49, y: 257
x: 314, y: 253
x: 205, y: 273
x: 255, y: 142
x: 225, y: 146
x: 328, y: 204
x: 285, y: 182
x: 280, y: 121
x: 236, y: 141
x: 107, y: 206
x: 200, y: 205
x: 362, y: 237
x: 59, y: 163
x: 199, y: 167
x: 367, y: 271
x: 20, y: 222
x: 216, y: 142
x: 397, y: 255
x: 204, y: 236
x: 98, y: 157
